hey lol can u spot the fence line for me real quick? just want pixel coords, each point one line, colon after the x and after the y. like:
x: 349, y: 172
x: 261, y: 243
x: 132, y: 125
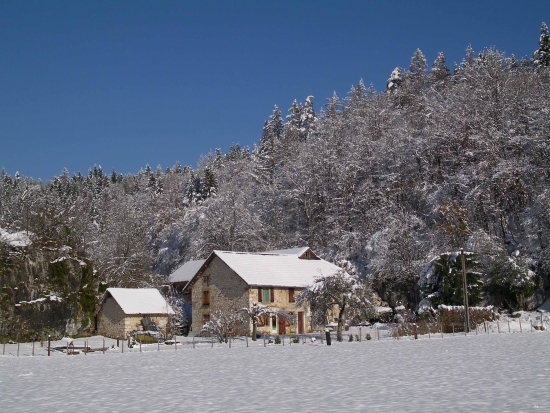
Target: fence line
x: 363, y: 334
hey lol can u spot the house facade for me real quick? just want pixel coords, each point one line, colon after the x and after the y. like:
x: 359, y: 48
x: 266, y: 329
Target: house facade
x: 230, y: 281
x: 124, y: 310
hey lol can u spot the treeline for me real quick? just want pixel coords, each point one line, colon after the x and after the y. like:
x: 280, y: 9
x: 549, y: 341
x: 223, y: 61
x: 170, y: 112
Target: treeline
x: 387, y: 184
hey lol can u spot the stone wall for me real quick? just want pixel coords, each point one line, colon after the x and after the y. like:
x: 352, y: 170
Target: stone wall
x: 227, y: 292
x: 281, y: 303
x: 111, y: 320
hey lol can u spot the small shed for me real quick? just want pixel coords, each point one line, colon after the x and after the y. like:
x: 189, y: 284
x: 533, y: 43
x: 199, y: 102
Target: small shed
x: 124, y: 310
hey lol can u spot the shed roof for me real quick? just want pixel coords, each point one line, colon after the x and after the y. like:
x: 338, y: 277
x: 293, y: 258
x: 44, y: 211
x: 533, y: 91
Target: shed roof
x: 186, y: 271
x: 277, y: 270
x: 139, y: 300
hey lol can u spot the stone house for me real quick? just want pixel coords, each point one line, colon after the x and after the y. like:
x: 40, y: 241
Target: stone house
x: 124, y: 310
x: 230, y: 281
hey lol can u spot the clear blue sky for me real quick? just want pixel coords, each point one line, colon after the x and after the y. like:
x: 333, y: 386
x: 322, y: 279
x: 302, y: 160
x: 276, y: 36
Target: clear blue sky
x: 127, y: 83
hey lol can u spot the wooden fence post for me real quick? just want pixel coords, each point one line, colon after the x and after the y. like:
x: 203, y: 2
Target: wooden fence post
x: 415, y: 332
x: 140, y: 345
x: 498, y: 327
x: 67, y: 348
x: 103, y: 345
x: 17, y: 348
x: 123, y: 346
x: 194, y: 341
x: 246, y: 337
x: 520, y: 329
x: 264, y: 340
x: 33, y: 348
x: 531, y: 326
x: 175, y: 342
x: 4, y: 349
x: 441, y: 328
x: 360, y: 334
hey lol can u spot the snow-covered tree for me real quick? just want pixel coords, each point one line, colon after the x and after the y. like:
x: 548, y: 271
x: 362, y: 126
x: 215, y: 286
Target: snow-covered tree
x: 440, y: 72
x: 254, y: 314
x: 395, y: 80
x: 223, y: 324
x: 347, y: 295
x: 542, y: 54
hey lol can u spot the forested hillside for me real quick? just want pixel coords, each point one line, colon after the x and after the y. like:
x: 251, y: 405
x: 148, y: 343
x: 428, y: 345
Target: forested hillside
x: 382, y: 183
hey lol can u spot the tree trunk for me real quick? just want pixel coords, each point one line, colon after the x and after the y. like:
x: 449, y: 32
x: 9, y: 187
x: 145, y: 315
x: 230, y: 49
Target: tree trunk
x: 341, y: 321
x: 254, y: 329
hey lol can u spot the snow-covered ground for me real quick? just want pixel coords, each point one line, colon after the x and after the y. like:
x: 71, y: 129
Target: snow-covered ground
x: 507, y: 372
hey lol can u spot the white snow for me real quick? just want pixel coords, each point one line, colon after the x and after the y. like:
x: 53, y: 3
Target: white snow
x: 15, y: 239
x: 140, y: 300
x: 483, y: 373
x: 267, y: 269
x: 186, y: 271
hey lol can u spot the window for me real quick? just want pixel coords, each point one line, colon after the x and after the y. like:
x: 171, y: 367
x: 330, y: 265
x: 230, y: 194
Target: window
x: 206, y: 280
x: 206, y: 297
x: 262, y: 321
x: 266, y: 295
x: 291, y: 295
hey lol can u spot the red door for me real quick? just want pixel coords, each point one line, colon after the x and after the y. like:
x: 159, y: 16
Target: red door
x: 282, y: 324
x: 300, y: 322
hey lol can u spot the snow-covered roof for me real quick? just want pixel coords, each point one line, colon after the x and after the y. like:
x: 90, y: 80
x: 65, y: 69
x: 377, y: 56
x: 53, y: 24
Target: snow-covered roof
x: 277, y: 270
x: 186, y: 271
x: 140, y: 300
x: 290, y: 251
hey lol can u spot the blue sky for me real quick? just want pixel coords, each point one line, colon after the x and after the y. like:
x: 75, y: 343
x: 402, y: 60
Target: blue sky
x: 123, y: 84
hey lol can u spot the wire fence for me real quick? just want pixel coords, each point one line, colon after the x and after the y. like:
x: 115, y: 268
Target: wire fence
x: 361, y: 334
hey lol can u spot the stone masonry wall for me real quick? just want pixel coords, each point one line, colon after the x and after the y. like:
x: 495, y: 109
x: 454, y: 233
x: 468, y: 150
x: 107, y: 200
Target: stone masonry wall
x: 282, y: 303
x: 111, y: 319
x: 228, y: 292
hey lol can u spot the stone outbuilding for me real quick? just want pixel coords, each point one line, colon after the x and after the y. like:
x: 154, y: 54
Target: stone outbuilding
x: 229, y: 281
x: 124, y: 310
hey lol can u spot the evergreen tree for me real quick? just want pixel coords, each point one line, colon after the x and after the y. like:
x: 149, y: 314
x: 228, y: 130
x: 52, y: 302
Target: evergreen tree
x: 542, y: 54
x: 308, y: 118
x: 418, y: 66
x: 395, y: 80
x: 293, y: 124
x: 440, y: 71
x: 357, y: 100
x: 445, y: 283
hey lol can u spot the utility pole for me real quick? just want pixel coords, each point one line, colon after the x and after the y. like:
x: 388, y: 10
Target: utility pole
x: 465, y: 290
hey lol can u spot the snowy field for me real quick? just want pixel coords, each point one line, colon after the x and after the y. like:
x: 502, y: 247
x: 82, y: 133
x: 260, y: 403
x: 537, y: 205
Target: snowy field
x: 507, y: 372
